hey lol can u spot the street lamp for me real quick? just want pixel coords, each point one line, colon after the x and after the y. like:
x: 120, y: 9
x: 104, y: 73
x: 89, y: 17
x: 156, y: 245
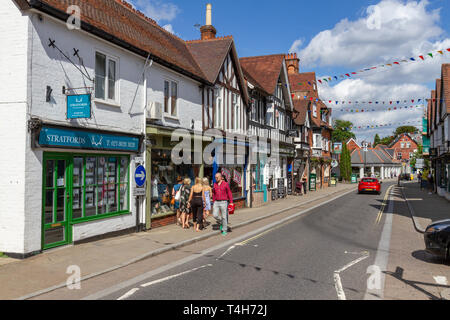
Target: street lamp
x: 365, y: 145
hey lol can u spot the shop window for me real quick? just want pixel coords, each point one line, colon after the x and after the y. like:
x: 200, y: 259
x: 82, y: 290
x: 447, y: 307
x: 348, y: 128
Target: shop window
x: 105, y: 77
x: 100, y: 186
x: 164, y: 179
x: 234, y: 177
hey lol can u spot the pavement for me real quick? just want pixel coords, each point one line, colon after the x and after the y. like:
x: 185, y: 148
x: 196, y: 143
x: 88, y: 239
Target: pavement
x: 413, y: 273
x: 426, y: 208
x: 49, y: 271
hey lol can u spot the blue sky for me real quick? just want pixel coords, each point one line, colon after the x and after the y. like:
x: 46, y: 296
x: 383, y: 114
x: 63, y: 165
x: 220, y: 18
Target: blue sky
x: 331, y: 38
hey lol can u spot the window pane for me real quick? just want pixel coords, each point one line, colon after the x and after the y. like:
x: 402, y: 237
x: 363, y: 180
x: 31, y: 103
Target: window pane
x: 77, y: 203
x: 112, y: 184
x: 102, y: 199
x: 174, y: 98
x: 48, y: 215
x: 100, y: 75
x: 54, y: 235
x: 91, y: 165
x: 61, y: 205
x: 124, y: 197
x: 112, y: 80
x: 166, y: 96
x: 61, y: 176
x: 49, y: 175
x: 124, y: 170
x: 77, y: 172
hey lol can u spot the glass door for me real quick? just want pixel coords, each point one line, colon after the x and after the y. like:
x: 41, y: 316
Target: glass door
x: 56, y: 201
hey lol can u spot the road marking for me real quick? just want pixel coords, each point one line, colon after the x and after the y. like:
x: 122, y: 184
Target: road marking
x: 441, y: 280
x: 382, y: 257
x: 174, y: 276
x: 129, y: 294
x: 337, y: 278
x: 383, y: 205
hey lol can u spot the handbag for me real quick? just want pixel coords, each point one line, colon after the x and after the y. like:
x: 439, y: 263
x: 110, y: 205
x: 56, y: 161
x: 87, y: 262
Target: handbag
x: 178, y: 195
x: 231, y: 208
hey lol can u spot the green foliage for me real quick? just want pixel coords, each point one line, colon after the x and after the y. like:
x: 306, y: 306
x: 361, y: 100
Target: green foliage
x: 405, y: 129
x: 387, y: 140
x: 377, y: 140
x: 342, y: 131
x: 346, y: 163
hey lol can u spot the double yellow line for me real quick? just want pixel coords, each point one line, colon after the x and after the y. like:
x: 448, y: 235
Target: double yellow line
x: 383, y: 205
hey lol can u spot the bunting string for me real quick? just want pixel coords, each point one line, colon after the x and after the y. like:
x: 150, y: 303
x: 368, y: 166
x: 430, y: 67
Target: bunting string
x: 387, y: 66
x: 383, y: 101
x: 365, y: 110
x: 385, y: 125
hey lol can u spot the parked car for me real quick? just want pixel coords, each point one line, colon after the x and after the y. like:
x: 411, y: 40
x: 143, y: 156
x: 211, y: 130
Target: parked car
x: 369, y: 185
x: 437, y: 239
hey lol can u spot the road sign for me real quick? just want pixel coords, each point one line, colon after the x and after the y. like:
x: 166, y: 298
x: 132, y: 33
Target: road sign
x: 140, y: 176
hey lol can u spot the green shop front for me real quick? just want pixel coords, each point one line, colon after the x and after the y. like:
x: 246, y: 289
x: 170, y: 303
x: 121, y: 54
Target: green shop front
x: 86, y: 182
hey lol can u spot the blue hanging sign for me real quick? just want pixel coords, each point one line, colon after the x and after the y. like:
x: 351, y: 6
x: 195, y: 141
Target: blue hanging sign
x: 56, y: 137
x: 79, y: 106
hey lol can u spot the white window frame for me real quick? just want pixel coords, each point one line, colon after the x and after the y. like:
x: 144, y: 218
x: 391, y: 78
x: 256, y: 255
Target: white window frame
x: 235, y: 102
x: 317, y: 141
x: 170, y: 114
x: 105, y: 98
x: 218, y: 112
x: 315, y: 110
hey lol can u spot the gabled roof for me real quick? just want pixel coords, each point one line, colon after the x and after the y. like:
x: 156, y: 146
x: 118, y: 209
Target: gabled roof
x: 265, y: 70
x: 118, y: 22
x: 401, y: 136
x: 210, y: 55
x: 371, y: 157
x: 438, y: 101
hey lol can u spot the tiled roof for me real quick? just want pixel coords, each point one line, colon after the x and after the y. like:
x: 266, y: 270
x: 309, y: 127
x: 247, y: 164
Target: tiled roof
x: 210, y: 55
x: 264, y: 69
x: 303, y: 78
x: 438, y: 100
x: 446, y: 84
x: 372, y: 156
x: 301, y: 106
x: 118, y: 19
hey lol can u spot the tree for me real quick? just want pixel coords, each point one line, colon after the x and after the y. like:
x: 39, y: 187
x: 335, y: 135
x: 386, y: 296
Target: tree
x: 405, y: 129
x: 346, y: 163
x: 387, y: 140
x: 376, y: 141
x: 342, y: 131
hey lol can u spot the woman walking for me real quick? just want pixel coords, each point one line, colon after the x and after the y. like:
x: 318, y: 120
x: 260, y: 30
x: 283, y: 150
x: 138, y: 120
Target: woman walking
x: 207, y: 190
x: 196, y: 199
x: 185, y: 207
x: 176, y: 194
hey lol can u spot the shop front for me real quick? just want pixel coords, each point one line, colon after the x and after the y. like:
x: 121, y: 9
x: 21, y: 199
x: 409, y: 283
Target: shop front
x: 164, y: 175
x: 85, y: 179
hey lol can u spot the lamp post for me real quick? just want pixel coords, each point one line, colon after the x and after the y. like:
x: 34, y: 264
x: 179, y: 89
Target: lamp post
x: 365, y: 144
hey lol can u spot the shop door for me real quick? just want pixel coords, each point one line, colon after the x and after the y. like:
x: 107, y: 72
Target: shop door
x: 56, y: 201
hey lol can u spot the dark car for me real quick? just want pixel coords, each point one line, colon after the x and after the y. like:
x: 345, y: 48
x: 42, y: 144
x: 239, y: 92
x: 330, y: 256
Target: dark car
x: 437, y: 239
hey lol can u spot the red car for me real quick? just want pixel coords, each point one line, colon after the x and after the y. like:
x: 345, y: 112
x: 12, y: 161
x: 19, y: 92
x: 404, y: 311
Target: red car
x: 369, y: 185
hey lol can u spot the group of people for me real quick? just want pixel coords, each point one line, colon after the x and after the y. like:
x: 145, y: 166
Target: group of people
x: 196, y: 202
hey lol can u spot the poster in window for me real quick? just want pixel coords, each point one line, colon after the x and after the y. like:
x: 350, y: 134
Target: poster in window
x: 90, y: 199
x: 226, y: 174
x: 76, y: 198
x: 111, y: 197
x: 237, y: 177
x: 90, y: 167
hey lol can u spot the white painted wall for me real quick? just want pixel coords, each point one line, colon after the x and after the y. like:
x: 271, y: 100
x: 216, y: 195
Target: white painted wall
x: 13, y: 132
x: 31, y: 65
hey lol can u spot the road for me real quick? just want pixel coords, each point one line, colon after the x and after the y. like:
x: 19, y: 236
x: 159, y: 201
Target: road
x: 322, y: 255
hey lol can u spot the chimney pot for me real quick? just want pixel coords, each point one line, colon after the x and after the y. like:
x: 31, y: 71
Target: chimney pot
x: 208, y: 31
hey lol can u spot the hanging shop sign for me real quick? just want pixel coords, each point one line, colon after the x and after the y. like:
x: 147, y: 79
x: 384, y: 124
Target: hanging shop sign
x: 79, y: 106
x: 337, y: 148
x: 66, y: 138
x: 312, y: 182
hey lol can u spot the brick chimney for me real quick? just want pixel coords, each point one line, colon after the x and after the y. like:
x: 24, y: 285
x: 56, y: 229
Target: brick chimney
x: 292, y: 63
x: 208, y: 31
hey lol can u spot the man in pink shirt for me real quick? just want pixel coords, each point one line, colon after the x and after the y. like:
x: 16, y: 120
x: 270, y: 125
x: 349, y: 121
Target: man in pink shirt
x: 222, y: 197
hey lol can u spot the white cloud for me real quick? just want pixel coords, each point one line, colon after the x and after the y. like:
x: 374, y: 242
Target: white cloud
x: 405, y: 28
x: 169, y: 27
x: 296, y: 46
x: 390, y: 30
x: 157, y: 10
